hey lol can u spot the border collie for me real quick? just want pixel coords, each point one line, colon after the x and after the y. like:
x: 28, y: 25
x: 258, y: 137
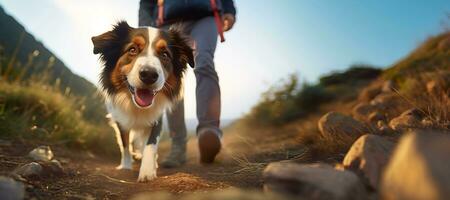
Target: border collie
x: 141, y: 78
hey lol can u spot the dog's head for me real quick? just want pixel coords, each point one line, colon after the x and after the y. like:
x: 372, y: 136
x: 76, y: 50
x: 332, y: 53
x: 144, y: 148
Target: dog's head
x: 143, y: 62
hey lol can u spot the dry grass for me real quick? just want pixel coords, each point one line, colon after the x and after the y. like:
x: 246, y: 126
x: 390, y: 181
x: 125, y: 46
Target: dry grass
x: 429, y: 93
x: 40, y: 112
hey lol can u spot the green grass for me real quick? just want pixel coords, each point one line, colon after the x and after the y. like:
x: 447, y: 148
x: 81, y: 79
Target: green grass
x: 42, y: 108
x: 292, y: 100
x: 40, y: 112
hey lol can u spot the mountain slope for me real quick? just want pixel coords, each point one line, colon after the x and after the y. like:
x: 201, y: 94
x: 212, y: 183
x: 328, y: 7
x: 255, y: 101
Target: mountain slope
x: 20, y: 53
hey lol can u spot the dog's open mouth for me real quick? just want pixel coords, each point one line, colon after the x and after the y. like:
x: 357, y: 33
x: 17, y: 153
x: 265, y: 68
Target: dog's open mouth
x: 142, y: 97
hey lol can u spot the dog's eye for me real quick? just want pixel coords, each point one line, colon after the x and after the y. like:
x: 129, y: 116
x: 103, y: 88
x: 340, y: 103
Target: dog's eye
x: 133, y: 51
x: 165, y: 54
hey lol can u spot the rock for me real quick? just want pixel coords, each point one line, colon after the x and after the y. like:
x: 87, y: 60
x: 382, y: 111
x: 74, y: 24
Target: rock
x: 407, y: 120
x: 369, y: 93
x: 228, y: 194
x: 419, y: 167
x: 235, y: 194
x: 336, y: 125
x: 368, y: 157
x: 30, y: 170
x: 362, y: 110
x: 42, y: 153
x: 374, y: 117
x: 432, y: 88
x: 315, y: 181
x: 11, y: 189
x: 40, y: 169
x: 388, y: 87
x: 427, y: 122
x: 387, y: 101
x: 153, y: 196
x: 53, y: 167
x: 384, y: 129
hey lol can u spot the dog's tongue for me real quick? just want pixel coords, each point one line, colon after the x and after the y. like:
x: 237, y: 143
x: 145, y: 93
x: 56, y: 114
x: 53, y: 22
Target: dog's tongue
x: 144, y: 97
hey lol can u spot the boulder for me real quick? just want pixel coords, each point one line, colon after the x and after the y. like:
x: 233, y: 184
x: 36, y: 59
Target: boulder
x: 419, y: 167
x: 227, y: 194
x: 337, y: 125
x: 30, y: 170
x: 407, y: 120
x: 368, y: 157
x: 11, y: 189
x: 313, y: 181
x: 41, y: 153
x: 362, y: 110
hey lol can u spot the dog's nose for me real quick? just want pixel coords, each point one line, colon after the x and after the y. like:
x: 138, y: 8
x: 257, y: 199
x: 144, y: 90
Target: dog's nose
x: 148, y: 75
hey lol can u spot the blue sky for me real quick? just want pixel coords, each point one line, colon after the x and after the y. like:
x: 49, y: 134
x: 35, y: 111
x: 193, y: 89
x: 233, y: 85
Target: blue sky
x: 270, y: 40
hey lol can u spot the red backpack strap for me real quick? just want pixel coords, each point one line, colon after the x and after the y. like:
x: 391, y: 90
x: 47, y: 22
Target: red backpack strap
x: 218, y: 20
x: 160, y: 20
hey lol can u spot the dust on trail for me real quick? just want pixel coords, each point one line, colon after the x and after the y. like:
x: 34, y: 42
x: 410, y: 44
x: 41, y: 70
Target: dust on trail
x: 238, y: 165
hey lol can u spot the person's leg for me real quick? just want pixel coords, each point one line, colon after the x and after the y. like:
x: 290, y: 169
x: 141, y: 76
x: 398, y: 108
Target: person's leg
x: 204, y: 32
x: 178, y: 132
x: 177, y: 126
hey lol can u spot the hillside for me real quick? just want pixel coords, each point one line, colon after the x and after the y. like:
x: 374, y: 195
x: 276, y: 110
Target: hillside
x: 21, y: 55
x: 363, y: 133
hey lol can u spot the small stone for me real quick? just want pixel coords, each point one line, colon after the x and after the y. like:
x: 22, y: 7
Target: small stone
x: 432, y: 88
x: 11, y: 189
x: 374, y: 117
x: 427, y: 122
x: 407, y: 120
x: 313, y: 181
x: 337, y: 125
x: 54, y: 167
x: 30, y: 170
x: 419, y: 167
x: 368, y: 157
x: 388, y: 86
x: 42, y: 153
x: 384, y: 129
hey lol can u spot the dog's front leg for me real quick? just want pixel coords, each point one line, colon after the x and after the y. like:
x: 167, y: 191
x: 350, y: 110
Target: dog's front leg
x: 123, y: 140
x: 149, y: 162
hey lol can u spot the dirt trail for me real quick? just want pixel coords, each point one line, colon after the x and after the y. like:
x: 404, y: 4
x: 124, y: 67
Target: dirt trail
x: 92, y: 176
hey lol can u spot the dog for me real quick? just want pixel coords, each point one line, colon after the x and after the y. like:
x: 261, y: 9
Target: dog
x: 142, y: 76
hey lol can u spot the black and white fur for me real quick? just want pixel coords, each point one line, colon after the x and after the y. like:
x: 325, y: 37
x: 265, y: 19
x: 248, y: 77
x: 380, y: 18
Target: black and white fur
x: 126, y: 53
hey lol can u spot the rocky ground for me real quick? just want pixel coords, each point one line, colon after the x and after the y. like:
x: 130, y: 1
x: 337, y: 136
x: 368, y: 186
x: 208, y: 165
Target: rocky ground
x: 397, y: 153
x: 391, y: 142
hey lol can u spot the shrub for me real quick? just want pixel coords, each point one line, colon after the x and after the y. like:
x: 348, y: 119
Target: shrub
x: 287, y: 102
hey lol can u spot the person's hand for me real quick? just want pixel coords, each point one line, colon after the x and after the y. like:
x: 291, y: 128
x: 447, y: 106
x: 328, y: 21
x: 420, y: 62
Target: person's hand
x: 228, y: 21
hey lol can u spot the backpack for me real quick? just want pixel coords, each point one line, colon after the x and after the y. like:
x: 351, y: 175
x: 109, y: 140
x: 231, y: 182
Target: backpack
x: 167, y: 10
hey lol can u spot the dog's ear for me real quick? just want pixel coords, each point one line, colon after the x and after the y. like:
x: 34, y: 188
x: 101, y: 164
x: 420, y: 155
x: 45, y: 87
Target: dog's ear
x: 183, y: 44
x: 110, y: 41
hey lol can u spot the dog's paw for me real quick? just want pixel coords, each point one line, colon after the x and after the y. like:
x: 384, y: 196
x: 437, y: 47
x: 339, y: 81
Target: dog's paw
x: 145, y: 176
x: 125, y: 165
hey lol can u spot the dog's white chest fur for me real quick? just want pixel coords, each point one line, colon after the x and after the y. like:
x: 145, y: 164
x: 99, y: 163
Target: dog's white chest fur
x: 130, y: 117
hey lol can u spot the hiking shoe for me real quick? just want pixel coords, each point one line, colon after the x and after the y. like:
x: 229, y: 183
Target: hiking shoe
x: 176, y: 157
x: 209, y: 145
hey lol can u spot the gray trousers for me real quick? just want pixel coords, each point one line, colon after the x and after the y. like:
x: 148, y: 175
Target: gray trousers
x: 204, y: 33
